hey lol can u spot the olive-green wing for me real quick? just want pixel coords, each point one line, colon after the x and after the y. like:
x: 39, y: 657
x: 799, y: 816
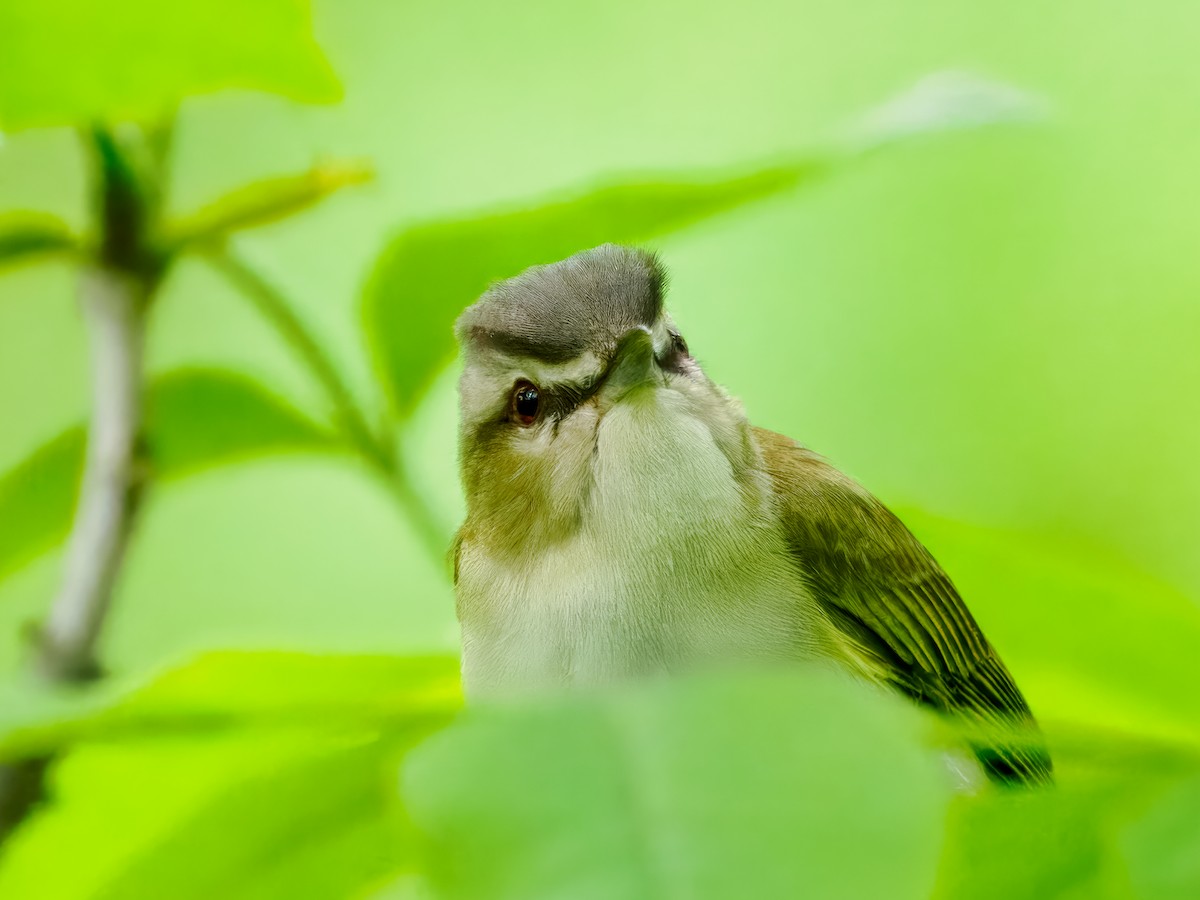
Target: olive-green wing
x: 899, y: 611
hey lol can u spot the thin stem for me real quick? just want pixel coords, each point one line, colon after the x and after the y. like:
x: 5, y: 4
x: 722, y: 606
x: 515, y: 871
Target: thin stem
x: 376, y: 450
x: 274, y: 307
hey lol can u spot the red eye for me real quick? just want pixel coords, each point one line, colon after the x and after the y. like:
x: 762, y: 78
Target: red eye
x: 526, y: 404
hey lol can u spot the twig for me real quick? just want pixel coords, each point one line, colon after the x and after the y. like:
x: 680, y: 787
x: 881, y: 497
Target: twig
x: 273, y: 306
x: 112, y: 305
x: 375, y: 448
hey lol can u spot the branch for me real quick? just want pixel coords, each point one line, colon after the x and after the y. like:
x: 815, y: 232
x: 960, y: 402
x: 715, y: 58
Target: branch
x: 115, y: 291
x: 113, y: 305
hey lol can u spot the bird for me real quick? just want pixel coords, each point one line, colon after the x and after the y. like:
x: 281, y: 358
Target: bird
x: 624, y: 519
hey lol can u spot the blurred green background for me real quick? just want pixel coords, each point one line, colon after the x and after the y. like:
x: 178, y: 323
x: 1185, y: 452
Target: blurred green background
x: 995, y: 330
x: 997, y: 326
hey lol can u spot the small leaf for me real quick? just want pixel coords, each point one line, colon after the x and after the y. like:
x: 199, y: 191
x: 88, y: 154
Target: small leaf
x: 428, y: 273
x: 27, y: 236
x: 77, y: 61
x: 37, y: 498
x: 265, y: 202
x: 796, y: 784
x: 195, y: 419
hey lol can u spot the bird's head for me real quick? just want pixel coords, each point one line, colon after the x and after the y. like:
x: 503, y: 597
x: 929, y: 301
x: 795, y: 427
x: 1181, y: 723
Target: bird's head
x: 577, y: 383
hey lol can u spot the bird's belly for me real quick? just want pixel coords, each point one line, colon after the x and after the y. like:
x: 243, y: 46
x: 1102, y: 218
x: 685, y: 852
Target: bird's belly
x: 566, y: 625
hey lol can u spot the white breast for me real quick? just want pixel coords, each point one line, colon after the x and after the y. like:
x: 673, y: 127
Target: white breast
x: 677, y: 564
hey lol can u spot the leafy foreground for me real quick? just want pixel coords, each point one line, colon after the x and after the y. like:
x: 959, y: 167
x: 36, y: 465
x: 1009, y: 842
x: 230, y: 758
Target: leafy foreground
x: 284, y: 775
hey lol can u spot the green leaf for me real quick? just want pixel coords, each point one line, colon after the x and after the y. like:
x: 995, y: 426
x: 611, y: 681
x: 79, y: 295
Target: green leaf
x: 791, y: 785
x: 265, y: 202
x: 195, y: 419
x: 37, y: 498
x: 241, y: 775
x: 76, y: 61
x: 224, y: 691
x: 28, y: 236
x: 428, y: 273
x: 199, y: 418
x: 1104, y: 829
x: 312, y: 825
x: 1054, y: 843
x: 1163, y: 847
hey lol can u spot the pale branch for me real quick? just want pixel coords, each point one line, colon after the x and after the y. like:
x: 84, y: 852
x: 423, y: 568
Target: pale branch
x: 113, y: 305
x: 115, y: 293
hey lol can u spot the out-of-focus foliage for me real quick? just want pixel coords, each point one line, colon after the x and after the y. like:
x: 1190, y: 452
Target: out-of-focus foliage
x: 257, y: 775
x: 998, y: 326
x: 264, y: 202
x: 30, y: 236
x: 195, y: 419
x: 765, y: 787
x: 429, y: 273
x: 74, y: 61
x: 265, y: 775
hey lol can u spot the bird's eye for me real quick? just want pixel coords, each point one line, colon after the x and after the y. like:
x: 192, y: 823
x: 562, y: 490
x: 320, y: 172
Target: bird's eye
x: 526, y: 403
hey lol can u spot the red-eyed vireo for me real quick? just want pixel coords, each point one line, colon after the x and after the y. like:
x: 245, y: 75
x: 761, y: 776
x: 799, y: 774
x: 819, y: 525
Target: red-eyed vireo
x: 625, y: 519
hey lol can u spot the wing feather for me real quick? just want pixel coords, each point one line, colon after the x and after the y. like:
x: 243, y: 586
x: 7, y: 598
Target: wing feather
x: 893, y: 603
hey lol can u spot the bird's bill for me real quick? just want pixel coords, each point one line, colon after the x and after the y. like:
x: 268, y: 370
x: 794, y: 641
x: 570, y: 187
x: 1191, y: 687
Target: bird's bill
x: 632, y: 366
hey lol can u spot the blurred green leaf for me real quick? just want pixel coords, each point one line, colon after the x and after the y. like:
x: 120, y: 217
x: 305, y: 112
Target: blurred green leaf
x: 195, y: 419
x: 37, y: 498
x: 198, y: 418
x: 26, y: 236
x: 316, y: 825
x: 1163, y: 847
x: 75, y: 61
x: 264, y: 202
x: 1053, y: 843
x: 255, y: 775
x: 236, y: 691
x: 1091, y: 641
x: 428, y: 273
x: 1090, y: 836
x: 767, y: 786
